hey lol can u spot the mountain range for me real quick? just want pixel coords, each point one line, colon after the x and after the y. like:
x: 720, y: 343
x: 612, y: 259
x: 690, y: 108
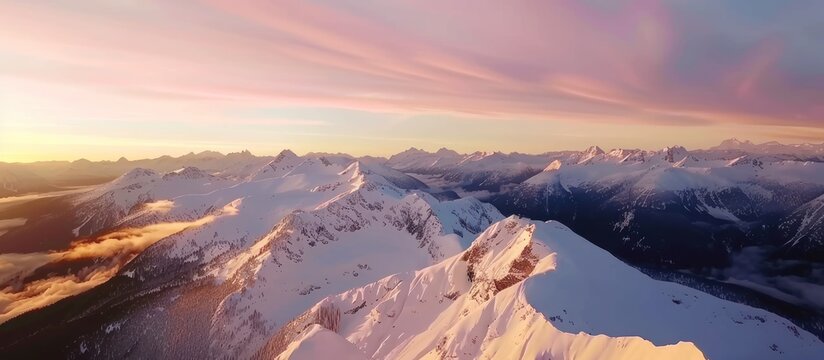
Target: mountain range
x: 618, y: 254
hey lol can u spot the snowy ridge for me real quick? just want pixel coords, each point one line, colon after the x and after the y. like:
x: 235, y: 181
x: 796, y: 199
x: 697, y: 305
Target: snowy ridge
x: 278, y: 167
x: 772, y: 147
x: 293, y: 258
x: 110, y: 203
x: 672, y: 168
x: 310, y: 230
x: 357, y: 237
x: 536, y: 290
x: 476, y: 171
x: 806, y: 225
x: 636, y: 189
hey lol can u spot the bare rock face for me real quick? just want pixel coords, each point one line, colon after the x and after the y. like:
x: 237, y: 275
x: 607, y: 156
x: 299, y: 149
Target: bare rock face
x: 490, y: 272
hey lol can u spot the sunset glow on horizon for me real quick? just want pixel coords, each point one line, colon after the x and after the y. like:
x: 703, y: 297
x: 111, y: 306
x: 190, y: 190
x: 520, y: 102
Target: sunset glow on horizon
x: 105, y: 79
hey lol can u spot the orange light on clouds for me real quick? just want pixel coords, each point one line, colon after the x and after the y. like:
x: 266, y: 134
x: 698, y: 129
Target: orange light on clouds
x: 101, y: 79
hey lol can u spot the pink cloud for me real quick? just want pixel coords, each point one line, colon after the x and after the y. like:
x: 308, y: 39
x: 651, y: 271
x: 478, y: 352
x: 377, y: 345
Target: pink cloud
x: 610, y: 61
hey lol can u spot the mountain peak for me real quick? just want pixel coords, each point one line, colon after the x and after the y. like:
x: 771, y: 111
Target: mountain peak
x: 675, y: 148
x: 244, y: 153
x: 554, y: 165
x: 594, y: 150
x: 138, y: 171
x: 674, y: 153
x: 502, y: 255
x: 733, y: 143
x: 413, y: 151
x: 446, y: 152
x: 188, y: 172
x: 135, y: 174
x: 283, y: 155
x: 206, y: 154
x: 589, y: 154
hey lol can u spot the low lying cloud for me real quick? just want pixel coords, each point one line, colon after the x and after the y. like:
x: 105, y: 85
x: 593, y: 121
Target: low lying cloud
x: 116, y: 249
x: 161, y: 206
x: 8, y: 224
x: 793, y: 281
x: 22, y: 265
x: 48, y: 291
x: 128, y: 241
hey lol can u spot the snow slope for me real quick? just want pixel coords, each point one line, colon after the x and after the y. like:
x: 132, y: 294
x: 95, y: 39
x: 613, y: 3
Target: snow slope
x: 527, y: 289
x: 301, y: 268
x: 107, y: 204
x: 805, y: 226
x: 301, y: 229
x: 359, y: 236
x: 317, y: 342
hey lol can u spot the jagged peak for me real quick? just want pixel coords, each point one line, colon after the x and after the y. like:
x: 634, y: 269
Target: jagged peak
x: 554, y: 165
x: 354, y: 169
x: 411, y: 152
x: 359, y: 174
x: 505, y: 254
x: 137, y: 173
x: 446, y: 152
x: 589, y: 154
x: 363, y: 177
x: 735, y: 141
x: 277, y: 167
x: 206, y: 154
x: 244, y: 153
x: 674, y: 148
x: 594, y: 150
x: 620, y: 152
x: 284, y: 155
x: 674, y: 153
x: 188, y: 172
x: 133, y: 176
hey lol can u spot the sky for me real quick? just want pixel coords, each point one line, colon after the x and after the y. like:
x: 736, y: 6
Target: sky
x: 142, y: 78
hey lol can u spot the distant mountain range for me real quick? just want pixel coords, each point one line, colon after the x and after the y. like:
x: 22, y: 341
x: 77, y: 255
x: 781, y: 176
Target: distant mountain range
x: 421, y: 255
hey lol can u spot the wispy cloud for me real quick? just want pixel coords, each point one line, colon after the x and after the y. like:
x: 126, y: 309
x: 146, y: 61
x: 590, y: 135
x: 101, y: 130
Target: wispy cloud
x: 194, y: 62
x: 493, y: 59
x: 112, y: 250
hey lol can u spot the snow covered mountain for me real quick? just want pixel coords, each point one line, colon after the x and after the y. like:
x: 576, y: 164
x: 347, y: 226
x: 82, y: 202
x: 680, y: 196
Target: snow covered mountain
x: 674, y: 209
x: 106, y: 205
x: 472, y: 172
x: 805, y: 228
x: 806, y: 150
x: 328, y: 255
x: 22, y: 178
x: 533, y: 290
x: 282, y: 241
x: 646, y: 206
x: 656, y: 206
